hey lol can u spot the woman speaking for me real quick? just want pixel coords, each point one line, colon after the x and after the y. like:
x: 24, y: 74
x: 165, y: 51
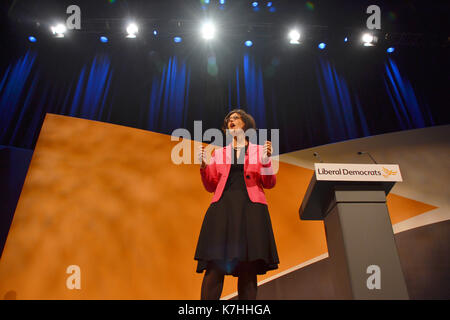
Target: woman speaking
x: 236, y: 236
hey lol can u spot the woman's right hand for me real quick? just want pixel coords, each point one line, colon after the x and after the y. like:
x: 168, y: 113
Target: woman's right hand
x: 201, y: 156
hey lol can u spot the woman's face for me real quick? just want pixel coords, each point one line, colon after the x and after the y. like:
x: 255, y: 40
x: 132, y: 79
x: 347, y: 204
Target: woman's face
x: 235, y: 122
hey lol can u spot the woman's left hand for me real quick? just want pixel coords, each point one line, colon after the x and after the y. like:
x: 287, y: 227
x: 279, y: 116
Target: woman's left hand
x: 267, y: 151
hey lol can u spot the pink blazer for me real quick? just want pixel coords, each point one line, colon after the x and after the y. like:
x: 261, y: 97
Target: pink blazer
x: 256, y: 174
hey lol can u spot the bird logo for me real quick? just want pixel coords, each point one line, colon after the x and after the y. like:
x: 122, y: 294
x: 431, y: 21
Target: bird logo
x: 387, y: 172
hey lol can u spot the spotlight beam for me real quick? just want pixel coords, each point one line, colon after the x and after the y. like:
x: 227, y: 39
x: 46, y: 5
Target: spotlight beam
x: 294, y: 36
x: 208, y: 31
x: 132, y: 30
x: 58, y: 30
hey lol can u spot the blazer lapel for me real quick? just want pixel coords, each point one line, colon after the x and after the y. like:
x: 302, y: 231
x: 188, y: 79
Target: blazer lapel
x: 228, y: 154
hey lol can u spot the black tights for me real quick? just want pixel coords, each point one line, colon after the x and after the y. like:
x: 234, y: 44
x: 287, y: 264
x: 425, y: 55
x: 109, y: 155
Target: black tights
x: 213, y: 282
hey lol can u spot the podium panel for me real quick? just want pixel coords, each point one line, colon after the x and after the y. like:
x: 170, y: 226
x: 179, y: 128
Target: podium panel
x: 362, y: 233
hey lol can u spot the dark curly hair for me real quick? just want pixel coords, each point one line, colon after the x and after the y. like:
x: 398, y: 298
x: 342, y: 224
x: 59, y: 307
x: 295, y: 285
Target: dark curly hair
x: 249, y: 122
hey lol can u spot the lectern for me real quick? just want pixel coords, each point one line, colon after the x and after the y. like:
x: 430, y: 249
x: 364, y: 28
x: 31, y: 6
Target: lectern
x: 351, y: 200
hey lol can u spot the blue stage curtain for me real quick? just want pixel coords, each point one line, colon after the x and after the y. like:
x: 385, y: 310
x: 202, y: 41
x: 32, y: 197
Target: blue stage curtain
x: 169, y: 96
x: 312, y: 99
x: 15, y: 97
x: 254, y: 90
x: 339, y: 107
x: 91, y: 90
x: 403, y: 99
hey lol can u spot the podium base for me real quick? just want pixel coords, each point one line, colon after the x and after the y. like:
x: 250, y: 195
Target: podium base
x: 362, y: 248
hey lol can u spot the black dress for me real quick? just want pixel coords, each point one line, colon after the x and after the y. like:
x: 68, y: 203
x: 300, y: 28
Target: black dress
x: 236, y: 229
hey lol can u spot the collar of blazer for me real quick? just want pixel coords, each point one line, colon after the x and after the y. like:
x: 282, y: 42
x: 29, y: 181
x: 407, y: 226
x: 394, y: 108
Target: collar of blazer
x: 252, y: 152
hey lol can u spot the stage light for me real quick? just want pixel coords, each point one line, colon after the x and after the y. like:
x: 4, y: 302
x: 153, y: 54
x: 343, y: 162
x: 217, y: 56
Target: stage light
x: 248, y: 43
x: 206, y: 1
x: 132, y: 29
x: 177, y: 39
x: 254, y: 4
x: 345, y: 39
x: 294, y: 37
x: 322, y: 46
x: 32, y: 39
x: 222, y: 1
x: 390, y: 50
x: 208, y: 31
x: 269, y: 4
x: 155, y: 32
x: 59, y: 30
x: 103, y: 39
x: 368, y: 39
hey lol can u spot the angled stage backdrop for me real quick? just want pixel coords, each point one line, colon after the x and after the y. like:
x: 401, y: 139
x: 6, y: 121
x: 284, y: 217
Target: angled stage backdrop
x: 108, y: 198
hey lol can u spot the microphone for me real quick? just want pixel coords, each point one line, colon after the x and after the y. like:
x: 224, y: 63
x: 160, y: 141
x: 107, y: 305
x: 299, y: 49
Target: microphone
x: 315, y: 154
x: 365, y: 152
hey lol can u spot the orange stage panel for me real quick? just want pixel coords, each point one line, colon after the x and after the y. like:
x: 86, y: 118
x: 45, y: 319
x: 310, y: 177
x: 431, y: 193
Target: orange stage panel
x: 108, y: 198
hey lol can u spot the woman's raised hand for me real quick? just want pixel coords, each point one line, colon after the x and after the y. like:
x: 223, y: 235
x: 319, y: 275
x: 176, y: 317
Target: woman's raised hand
x: 267, y: 152
x: 267, y: 148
